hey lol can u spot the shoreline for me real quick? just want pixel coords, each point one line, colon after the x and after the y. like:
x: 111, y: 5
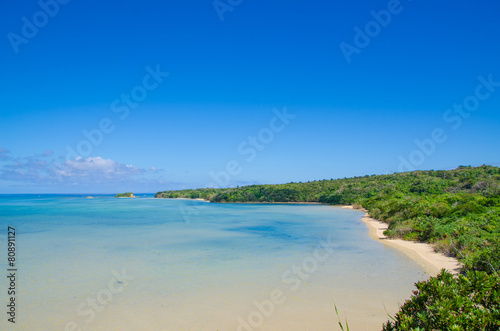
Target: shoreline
x: 422, y: 253
x: 254, y: 202
x: 276, y: 203
x: 197, y: 199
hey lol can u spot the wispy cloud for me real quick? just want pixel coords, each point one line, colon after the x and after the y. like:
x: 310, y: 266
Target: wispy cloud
x: 44, y: 170
x: 47, y: 153
x: 154, y: 169
x: 97, y: 168
x: 4, y: 154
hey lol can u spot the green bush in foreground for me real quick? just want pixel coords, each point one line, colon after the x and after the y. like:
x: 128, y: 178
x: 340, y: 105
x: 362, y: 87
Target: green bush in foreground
x: 445, y: 302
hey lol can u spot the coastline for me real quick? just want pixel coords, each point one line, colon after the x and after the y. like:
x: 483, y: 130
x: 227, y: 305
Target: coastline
x: 422, y: 253
x: 196, y: 199
x: 276, y: 203
x: 255, y: 202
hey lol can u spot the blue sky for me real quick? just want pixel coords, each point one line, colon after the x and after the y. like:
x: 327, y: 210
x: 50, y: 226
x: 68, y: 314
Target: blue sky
x: 418, y: 89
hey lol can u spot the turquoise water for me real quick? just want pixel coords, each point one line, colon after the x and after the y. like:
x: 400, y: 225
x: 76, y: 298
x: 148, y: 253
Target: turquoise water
x: 161, y: 264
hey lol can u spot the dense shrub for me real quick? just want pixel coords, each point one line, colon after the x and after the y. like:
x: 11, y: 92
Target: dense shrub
x: 445, y: 302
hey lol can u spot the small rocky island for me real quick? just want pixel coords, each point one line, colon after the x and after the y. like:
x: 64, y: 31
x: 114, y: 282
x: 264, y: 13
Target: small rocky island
x: 125, y: 195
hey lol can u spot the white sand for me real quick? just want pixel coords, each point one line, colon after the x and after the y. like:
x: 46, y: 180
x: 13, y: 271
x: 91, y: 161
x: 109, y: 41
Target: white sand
x: 422, y: 253
x: 196, y: 199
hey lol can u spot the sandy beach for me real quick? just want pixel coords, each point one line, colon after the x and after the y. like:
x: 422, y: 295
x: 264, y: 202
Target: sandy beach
x: 422, y: 253
x: 196, y: 199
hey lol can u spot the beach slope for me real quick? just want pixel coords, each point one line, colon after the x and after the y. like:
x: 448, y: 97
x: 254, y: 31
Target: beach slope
x: 422, y: 253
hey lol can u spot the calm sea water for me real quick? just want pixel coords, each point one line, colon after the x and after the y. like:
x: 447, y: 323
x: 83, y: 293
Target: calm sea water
x: 161, y: 264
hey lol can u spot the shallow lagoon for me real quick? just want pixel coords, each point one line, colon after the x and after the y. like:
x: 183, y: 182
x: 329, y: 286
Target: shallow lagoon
x: 161, y: 264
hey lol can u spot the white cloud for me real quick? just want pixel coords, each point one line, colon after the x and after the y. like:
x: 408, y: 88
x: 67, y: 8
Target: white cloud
x: 92, y: 169
x: 97, y: 169
x: 44, y: 172
x: 99, y: 166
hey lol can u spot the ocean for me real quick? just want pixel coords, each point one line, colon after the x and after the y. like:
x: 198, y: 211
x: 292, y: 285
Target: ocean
x: 162, y: 264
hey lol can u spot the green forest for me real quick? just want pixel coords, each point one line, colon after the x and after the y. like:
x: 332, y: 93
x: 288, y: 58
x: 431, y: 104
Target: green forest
x: 457, y: 211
